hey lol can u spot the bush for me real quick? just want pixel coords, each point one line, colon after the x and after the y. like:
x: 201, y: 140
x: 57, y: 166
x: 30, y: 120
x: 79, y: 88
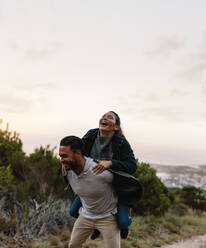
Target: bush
x: 193, y: 197
x: 9, y: 144
x: 6, y: 179
x: 8, y: 226
x: 24, y: 190
x: 36, y: 175
x: 179, y: 209
x: 156, y: 199
x: 45, y: 173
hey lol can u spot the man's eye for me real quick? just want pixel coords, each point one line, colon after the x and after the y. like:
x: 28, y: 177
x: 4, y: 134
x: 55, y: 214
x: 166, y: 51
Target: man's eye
x: 62, y: 156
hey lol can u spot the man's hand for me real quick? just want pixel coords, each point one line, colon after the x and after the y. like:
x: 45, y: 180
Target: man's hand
x: 101, y: 166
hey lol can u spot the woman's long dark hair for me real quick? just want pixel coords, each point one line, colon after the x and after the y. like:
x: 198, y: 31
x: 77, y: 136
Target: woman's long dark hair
x: 118, y: 122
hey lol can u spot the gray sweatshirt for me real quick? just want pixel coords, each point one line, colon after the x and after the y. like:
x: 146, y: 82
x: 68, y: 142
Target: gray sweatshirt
x: 95, y: 191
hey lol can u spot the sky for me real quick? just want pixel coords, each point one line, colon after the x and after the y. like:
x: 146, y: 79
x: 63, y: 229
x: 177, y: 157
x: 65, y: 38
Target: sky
x: 63, y: 64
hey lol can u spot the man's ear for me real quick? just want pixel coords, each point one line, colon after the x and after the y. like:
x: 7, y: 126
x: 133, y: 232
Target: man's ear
x: 78, y: 152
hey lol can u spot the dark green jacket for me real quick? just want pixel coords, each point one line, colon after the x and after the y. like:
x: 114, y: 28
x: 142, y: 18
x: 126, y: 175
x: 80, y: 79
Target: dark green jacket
x: 127, y: 187
x: 123, y: 157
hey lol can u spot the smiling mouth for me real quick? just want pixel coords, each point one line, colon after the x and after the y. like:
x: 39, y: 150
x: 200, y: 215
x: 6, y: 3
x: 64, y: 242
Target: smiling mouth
x: 104, y: 124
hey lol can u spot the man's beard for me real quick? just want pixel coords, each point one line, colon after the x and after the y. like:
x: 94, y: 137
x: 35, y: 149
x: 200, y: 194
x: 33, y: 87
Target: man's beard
x: 71, y: 165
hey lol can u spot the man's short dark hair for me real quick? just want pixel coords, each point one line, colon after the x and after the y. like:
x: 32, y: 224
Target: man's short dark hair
x: 73, y: 141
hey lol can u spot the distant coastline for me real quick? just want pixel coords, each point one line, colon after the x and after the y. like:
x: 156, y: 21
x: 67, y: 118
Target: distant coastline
x: 177, y: 176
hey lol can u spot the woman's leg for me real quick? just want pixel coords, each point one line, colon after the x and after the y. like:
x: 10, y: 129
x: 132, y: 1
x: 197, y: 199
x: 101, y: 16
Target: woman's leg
x: 76, y: 204
x: 123, y: 219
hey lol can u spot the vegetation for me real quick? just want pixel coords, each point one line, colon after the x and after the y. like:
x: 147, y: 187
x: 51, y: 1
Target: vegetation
x: 34, y: 176
x: 6, y: 179
x: 162, y: 216
x: 193, y: 197
x: 145, y: 232
x: 10, y: 145
x: 157, y: 198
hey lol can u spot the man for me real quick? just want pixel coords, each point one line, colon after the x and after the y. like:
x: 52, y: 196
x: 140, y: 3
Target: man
x: 99, y: 202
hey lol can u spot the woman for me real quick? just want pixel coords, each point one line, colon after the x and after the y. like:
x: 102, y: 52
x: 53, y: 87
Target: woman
x: 110, y: 148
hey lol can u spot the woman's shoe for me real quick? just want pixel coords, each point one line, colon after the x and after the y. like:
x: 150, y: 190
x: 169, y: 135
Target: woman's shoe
x: 124, y: 233
x: 95, y: 234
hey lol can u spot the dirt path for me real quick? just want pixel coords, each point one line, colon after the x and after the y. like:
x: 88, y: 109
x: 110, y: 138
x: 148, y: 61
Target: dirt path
x: 194, y: 242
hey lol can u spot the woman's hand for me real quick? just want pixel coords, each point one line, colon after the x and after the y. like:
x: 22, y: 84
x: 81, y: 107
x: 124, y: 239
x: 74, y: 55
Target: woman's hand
x: 64, y: 170
x: 101, y: 166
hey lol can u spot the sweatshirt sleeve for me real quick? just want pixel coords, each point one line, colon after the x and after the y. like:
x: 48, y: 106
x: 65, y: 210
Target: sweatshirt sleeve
x: 106, y: 176
x: 127, y: 162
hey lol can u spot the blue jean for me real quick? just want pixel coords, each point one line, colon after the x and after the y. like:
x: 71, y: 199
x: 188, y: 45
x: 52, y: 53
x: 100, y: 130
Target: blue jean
x: 123, y: 218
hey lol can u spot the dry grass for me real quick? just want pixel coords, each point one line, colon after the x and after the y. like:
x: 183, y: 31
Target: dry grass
x: 145, y: 232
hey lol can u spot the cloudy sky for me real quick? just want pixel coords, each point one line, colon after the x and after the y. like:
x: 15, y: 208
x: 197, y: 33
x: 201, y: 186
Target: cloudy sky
x: 64, y: 63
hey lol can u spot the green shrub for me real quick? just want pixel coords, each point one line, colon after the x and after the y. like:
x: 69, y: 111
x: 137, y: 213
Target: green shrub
x: 156, y: 198
x: 45, y: 173
x: 39, y: 175
x: 34, y: 176
x: 7, y: 182
x: 179, y: 209
x: 9, y: 144
x: 23, y: 190
x: 8, y: 226
x: 193, y: 197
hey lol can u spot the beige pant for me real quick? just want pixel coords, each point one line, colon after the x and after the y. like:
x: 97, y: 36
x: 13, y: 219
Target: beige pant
x: 107, y: 226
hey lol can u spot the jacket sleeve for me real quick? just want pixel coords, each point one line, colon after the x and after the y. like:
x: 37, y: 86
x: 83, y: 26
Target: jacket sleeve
x: 88, y: 140
x: 127, y: 162
x: 88, y: 133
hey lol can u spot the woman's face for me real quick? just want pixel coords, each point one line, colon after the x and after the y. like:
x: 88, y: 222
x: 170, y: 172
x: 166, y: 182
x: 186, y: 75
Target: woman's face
x: 108, y: 122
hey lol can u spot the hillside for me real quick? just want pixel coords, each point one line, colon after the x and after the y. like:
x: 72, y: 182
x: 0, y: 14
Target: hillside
x: 178, y: 176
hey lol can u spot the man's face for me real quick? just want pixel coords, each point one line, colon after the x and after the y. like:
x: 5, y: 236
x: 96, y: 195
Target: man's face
x: 67, y: 157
